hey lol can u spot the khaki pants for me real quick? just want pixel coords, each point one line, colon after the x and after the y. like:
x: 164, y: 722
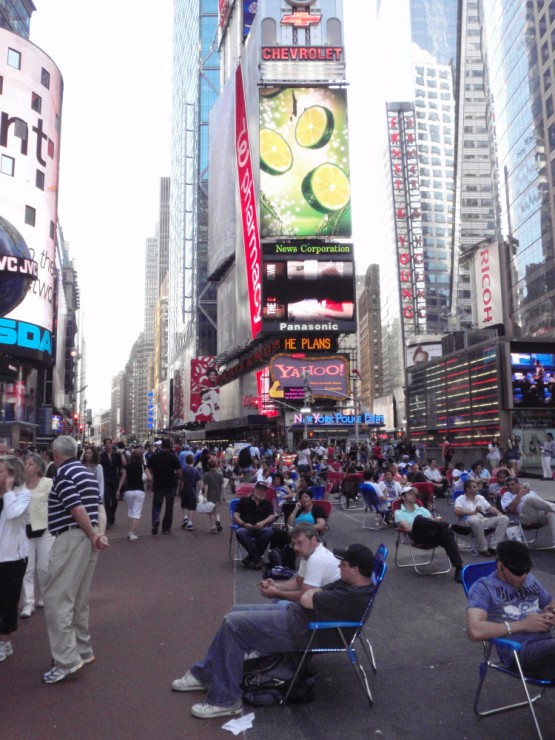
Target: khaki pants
x: 66, y: 597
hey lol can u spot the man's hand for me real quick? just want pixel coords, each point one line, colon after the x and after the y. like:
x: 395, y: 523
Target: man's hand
x: 268, y: 588
x: 537, y: 622
x: 99, y: 542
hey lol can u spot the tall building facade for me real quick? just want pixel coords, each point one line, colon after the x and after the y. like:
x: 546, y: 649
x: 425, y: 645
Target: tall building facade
x: 370, y: 339
x: 15, y: 15
x: 191, y: 299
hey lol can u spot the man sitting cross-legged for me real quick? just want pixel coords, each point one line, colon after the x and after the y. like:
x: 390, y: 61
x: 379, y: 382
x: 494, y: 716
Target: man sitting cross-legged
x: 254, y: 515
x: 318, y: 566
x: 275, y: 628
x: 480, y: 515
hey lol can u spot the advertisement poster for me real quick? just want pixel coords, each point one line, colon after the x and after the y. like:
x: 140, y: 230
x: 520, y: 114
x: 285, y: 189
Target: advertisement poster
x: 205, y: 392
x: 326, y: 377
x: 305, y: 187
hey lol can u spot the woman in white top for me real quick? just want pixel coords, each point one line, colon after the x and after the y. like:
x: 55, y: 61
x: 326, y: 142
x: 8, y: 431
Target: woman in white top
x: 548, y: 451
x: 304, y: 458
x: 15, y: 501
x: 40, y: 539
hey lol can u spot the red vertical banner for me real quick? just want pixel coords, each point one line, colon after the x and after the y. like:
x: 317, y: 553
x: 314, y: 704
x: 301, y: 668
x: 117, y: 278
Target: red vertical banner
x: 248, y: 199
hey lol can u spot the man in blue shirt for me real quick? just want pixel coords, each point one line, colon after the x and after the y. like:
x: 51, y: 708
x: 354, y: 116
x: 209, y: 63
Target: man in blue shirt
x: 512, y: 603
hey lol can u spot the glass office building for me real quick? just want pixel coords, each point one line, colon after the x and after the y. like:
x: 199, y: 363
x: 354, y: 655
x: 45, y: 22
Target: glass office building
x: 15, y: 15
x: 191, y: 299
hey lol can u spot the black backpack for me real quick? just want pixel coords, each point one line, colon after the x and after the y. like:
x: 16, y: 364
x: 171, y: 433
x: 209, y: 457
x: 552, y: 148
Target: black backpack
x: 266, y: 680
x: 244, y: 459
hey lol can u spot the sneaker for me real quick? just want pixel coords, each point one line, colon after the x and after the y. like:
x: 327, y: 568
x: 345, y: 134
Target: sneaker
x: 6, y: 650
x: 213, y: 530
x: 187, y: 683
x: 26, y: 611
x: 155, y: 527
x: 219, y: 526
x: 207, y: 711
x: 57, y: 674
x: 88, y: 659
x: 185, y: 522
x: 132, y: 536
x: 189, y: 526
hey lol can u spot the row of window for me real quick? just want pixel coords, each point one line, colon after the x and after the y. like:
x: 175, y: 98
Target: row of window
x: 7, y: 167
x: 14, y: 60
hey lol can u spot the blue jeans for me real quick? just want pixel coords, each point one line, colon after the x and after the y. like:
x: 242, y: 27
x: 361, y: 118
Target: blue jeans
x: 248, y: 627
x: 161, y: 494
x: 537, y: 658
x: 254, y: 541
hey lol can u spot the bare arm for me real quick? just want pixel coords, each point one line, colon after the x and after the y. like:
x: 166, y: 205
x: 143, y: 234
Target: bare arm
x: 291, y: 590
x: 479, y: 627
x: 79, y: 513
x: 307, y: 598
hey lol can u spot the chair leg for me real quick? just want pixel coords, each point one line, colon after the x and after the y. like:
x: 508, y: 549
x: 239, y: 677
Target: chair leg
x: 530, y: 700
x: 368, y: 651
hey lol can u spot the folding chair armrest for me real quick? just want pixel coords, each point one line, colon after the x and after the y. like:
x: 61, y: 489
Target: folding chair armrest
x: 332, y: 625
x: 504, y: 642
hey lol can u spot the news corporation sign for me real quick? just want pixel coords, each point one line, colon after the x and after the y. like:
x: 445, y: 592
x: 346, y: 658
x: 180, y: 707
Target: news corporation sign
x: 340, y: 420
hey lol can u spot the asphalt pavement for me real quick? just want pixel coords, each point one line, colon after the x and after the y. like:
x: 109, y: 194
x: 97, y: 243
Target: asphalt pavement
x: 157, y: 602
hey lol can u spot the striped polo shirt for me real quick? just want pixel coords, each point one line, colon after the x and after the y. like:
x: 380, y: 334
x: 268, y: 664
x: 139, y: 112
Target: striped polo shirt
x: 74, y: 485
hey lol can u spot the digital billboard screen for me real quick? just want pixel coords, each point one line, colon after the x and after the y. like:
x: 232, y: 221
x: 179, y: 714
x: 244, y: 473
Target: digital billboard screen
x: 305, y: 187
x: 532, y: 379
x: 301, y: 285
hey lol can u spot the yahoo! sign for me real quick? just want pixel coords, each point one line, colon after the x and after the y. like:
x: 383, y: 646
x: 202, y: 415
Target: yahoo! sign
x: 247, y: 195
x: 327, y: 376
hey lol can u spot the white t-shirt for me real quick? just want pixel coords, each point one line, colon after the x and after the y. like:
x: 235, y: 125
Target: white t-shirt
x: 461, y: 502
x: 508, y: 498
x: 433, y: 474
x: 321, y: 568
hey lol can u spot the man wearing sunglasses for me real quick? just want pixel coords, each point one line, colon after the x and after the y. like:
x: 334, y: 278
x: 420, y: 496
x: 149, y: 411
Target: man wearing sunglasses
x: 512, y: 603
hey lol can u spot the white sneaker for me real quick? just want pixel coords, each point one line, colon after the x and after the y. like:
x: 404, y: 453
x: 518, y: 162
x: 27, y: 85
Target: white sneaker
x: 132, y: 536
x: 207, y: 711
x: 57, y: 674
x: 6, y: 650
x: 187, y: 683
x: 27, y: 610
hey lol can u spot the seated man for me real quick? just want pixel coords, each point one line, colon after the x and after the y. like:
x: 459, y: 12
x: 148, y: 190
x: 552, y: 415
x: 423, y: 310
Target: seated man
x: 318, y: 566
x: 497, y: 487
x: 479, y: 474
x: 528, y: 505
x: 512, y: 603
x: 481, y: 515
x: 254, y: 516
x: 260, y: 627
x: 433, y: 474
x: 371, y: 493
x: 427, y: 531
x: 389, y: 487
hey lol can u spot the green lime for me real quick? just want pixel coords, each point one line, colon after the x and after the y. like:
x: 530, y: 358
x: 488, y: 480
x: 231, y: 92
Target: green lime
x: 314, y: 127
x: 327, y: 188
x: 275, y: 154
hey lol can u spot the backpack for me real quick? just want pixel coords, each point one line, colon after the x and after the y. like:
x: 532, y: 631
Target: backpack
x: 244, y: 459
x: 266, y: 680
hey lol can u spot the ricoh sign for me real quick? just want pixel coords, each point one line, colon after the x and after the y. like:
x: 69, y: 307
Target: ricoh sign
x: 488, y: 291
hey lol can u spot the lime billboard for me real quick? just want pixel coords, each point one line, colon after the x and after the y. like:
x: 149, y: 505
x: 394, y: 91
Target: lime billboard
x: 305, y: 187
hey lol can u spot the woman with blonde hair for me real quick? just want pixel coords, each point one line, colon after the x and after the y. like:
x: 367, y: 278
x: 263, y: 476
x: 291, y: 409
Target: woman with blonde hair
x: 14, y: 546
x: 40, y: 539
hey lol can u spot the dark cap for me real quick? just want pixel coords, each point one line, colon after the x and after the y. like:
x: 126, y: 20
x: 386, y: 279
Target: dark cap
x: 358, y: 555
x: 261, y: 484
x: 514, y: 555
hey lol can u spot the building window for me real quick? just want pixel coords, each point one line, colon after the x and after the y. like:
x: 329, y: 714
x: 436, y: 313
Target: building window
x: 45, y: 78
x: 1, y: 84
x: 7, y: 165
x: 39, y: 179
x: 36, y: 102
x: 52, y: 230
x: 14, y: 59
x: 50, y: 148
x: 30, y: 215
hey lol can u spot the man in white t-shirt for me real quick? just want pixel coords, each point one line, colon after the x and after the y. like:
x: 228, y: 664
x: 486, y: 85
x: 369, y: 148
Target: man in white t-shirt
x: 480, y: 515
x: 317, y: 568
x: 528, y: 505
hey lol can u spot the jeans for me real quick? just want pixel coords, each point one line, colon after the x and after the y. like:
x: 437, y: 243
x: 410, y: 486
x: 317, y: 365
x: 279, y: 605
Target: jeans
x: 260, y: 627
x: 161, y: 494
x: 254, y: 541
x: 537, y: 659
x: 429, y: 532
x: 111, y: 499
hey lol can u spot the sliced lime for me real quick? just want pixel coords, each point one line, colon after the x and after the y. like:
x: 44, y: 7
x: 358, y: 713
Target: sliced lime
x: 275, y: 154
x: 327, y: 188
x: 314, y: 127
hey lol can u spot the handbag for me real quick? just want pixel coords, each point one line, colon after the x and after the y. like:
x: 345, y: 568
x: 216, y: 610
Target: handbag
x: 33, y: 533
x: 203, y: 506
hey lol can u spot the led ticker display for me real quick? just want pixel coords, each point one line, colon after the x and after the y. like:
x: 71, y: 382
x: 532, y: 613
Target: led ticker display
x: 533, y: 379
x: 305, y: 187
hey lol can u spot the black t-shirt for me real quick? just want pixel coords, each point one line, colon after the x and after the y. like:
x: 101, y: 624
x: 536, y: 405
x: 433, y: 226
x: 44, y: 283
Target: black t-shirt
x: 336, y: 602
x: 163, y: 465
x: 134, y: 477
x: 251, y: 512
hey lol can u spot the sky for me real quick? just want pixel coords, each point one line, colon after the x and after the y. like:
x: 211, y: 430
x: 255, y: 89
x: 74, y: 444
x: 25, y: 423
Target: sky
x: 116, y: 61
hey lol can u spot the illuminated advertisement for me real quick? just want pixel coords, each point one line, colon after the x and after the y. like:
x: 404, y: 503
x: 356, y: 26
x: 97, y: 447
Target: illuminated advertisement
x: 247, y: 196
x: 408, y: 217
x: 29, y: 157
x: 327, y: 377
x: 487, y: 285
x: 249, y: 12
x: 308, y: 284
x: 205, y: 390
x: 532, y: 378
x: 305, y: 187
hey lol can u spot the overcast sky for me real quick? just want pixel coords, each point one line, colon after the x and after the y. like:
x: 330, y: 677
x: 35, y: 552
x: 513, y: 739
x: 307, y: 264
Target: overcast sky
x: 116, y: 60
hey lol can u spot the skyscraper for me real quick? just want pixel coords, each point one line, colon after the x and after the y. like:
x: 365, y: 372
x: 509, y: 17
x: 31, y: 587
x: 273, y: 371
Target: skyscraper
x: 15, y: 15
x: 195, y: 88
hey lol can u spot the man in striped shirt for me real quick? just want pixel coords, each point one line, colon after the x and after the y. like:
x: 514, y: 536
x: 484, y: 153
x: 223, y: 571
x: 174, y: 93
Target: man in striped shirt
x: 73, y: 520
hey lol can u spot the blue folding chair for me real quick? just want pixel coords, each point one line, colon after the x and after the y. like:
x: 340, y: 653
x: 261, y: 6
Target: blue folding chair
x: 471, y: 573
x: 236, y: 552
x: 348, y: 643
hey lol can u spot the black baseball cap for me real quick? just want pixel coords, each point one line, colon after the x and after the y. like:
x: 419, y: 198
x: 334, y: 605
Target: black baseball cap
x: 514, y: 555
x: 358, y: 555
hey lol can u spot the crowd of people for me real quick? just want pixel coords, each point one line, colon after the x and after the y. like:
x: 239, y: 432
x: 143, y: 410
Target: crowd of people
x: 56, y: 507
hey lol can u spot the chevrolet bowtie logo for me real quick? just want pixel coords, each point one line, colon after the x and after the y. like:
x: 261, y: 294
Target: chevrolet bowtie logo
x: 301, y: 19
